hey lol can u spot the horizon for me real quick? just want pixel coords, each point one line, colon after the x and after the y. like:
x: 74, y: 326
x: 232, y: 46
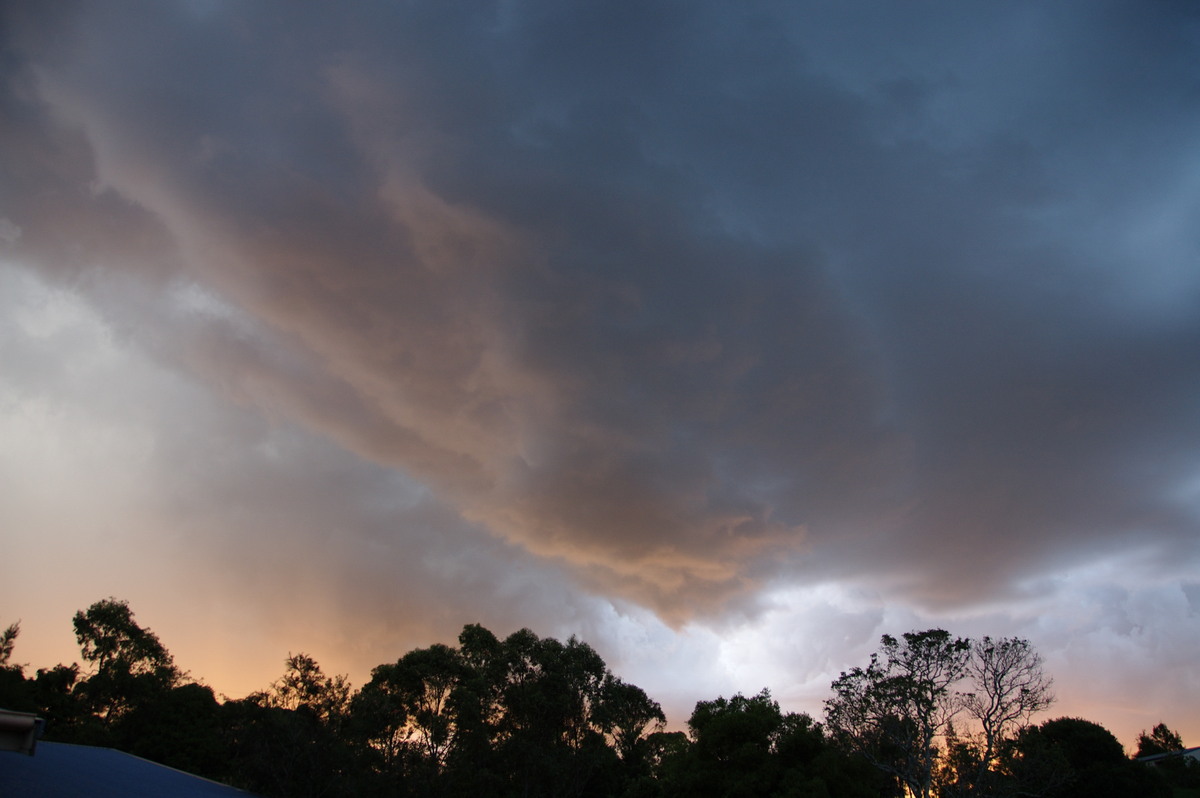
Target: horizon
x: 677, y: 713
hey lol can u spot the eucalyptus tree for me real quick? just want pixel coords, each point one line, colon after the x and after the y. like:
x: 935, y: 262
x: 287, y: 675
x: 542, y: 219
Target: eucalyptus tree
x: 628, y: 715
x: 552, y: 730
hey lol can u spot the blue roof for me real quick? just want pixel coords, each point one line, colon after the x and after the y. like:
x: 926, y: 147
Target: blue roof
x: 61, y: 770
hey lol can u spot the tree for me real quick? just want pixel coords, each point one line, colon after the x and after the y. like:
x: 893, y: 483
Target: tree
x: 627, y: 712
x: 1099, y: 767
x: 1010, y: 687
x: 526, y: 716
x: 290, y: 740
x: 473, y: 766
x: 1181, y: 772
x: 1030, y: 765
x: 1161, y: 740
x: 734, y: 745
x: 180, y: 728
x: 110, y: 638
x: 551, y: 732
x: 8, y: 639
x: 1006, y: 687
x: 305, y: 686
x: 131, y: 663
x: 894, y: 710
x: 379, y: 720
x: 68, y: 718
x: 415, y: 705
x: 16, y: 692
x: 284, y: 753
x: 746, y: 746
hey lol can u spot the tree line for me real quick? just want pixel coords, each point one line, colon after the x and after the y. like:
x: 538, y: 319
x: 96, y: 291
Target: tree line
x: 930, y: 715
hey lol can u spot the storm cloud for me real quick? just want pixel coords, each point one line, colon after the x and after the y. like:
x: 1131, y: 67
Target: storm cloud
x: 674, y: 325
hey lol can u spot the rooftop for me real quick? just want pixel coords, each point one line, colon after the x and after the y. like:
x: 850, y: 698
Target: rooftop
x: 62, y: 770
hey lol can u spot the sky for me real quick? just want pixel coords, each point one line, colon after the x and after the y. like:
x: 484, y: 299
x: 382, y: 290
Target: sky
x: 726, y: 337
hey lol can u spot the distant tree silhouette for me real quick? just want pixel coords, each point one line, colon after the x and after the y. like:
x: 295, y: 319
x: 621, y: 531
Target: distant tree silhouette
x: 1181, y: 772
x: 1160, y: 740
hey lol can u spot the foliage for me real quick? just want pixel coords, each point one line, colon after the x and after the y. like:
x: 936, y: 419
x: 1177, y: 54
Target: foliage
x: 1181, y: 772
x: 68, y: 717
x: 528, y: 716
x: 8, y: 639
x: 284, y: 753
x: 132, y: 665
x: 181, y: 729
x: 304, y: 686
x: 1097, y: 762
x: 628, y: 714
x: 15, y: 691
x: 110, y: 638
x: 1160, y: 740
x: 1004, y: 687
x: 893, y: 711
x: 746, y: 746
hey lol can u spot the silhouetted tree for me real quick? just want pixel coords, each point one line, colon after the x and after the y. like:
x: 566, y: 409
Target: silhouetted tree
x: 526, y: 716
x: 68, y: 715
x: 550, y: 734
x: 305, y: 686
x: 893, y: 711
x: 733, y: 745
x: 629, y: 714
x: 1160, y: 740
x: 474, y: 766
x: 8, y: 640
x: 746, y: 746
x: 1098, y: 765
x: 1004, y: 686
x: 180, y: 728
x: 1181, y: 772
x: 285, y: 753
x: 1029, y: 765
x: 409, y: 711
x: 16, y: 692
x: 132, y: 665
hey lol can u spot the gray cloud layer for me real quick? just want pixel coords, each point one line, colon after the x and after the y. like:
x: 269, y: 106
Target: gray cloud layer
x: 678, y: 299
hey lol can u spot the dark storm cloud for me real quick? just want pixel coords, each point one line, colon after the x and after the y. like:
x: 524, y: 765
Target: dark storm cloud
x: 687, y: 298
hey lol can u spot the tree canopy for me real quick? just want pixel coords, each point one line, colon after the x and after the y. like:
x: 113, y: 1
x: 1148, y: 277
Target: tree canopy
x: 1160, y: 740
x: 527, y: 716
